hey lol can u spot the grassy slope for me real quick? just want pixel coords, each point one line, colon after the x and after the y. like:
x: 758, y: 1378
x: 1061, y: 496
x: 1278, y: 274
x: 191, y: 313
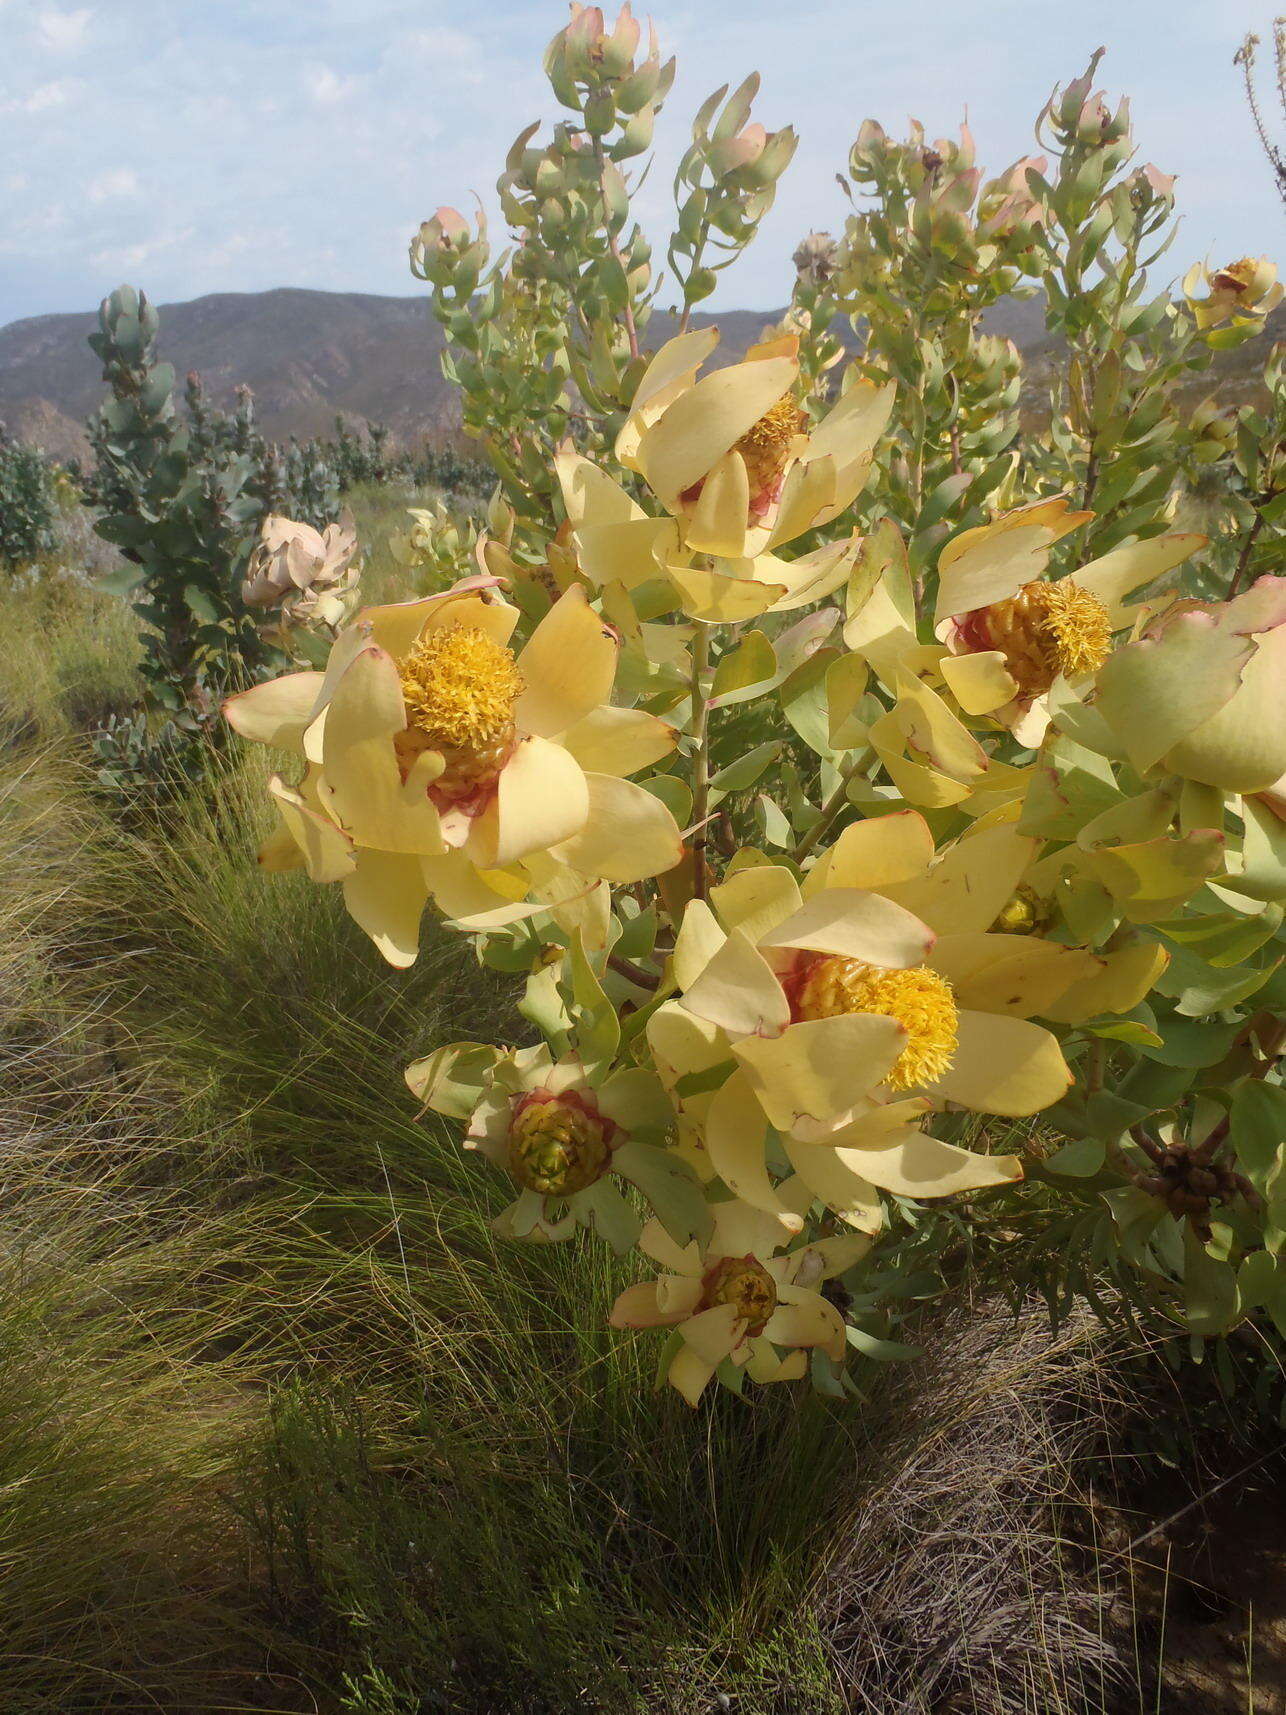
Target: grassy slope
x: 443, y: 1477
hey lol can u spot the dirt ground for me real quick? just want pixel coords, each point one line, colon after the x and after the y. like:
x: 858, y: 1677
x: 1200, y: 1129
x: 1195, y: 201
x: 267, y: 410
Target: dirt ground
x: 1201, y: 1595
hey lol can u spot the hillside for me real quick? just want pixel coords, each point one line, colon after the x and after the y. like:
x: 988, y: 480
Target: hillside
x: 308, y: 355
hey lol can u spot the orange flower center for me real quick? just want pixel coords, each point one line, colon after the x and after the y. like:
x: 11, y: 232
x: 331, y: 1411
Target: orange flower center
x: 1235, y: 278
x: 1045, y: 630
x: 558, y: 1145
x: 919, y: 999
x: 745, y: 1282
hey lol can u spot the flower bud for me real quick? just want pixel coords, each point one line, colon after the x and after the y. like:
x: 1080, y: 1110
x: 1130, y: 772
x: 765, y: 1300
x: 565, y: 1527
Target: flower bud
x: 290, y: 557
x: 308, y: 577
x: 445, y: 246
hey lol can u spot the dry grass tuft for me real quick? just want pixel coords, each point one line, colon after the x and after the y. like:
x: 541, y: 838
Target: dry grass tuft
x: 951, y: 1593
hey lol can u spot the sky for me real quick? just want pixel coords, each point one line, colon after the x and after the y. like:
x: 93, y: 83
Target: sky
x: 194, y: 146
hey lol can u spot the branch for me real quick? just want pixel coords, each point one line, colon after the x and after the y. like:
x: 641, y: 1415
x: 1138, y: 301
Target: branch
x: 1243, y: 559
x: 831, y: 808
x: 633, y: 973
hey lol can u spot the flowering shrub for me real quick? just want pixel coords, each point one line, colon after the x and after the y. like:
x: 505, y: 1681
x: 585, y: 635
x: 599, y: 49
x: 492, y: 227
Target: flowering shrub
x: 886, y: 812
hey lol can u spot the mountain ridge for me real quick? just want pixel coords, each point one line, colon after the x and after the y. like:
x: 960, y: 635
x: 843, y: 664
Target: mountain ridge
x: 306, y: 355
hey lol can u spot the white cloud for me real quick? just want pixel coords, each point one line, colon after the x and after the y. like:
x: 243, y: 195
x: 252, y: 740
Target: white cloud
x: 123, y: 258
x: 119, y: 182
x: 43, y: 98
x: 327, y: 87
x: 62, y: 32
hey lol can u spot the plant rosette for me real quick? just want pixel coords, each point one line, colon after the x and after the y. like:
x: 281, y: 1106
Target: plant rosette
x: 738, y: 1304
x: 566, y: 1137
x: 437, y: 761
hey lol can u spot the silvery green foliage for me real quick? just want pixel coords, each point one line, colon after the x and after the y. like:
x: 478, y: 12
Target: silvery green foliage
x: 28, y: 502
x: 179, y: 502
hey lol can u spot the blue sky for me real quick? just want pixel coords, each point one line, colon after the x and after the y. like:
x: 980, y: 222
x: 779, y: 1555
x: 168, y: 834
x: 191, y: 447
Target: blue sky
x: 194, y: 146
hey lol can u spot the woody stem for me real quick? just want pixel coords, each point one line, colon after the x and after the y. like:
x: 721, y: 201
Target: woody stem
x: 831, y: 808
x: 1243, y: 559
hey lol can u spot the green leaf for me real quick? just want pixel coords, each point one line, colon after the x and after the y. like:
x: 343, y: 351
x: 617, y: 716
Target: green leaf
x: 747, y: 672
x: 1192, y: 1042
x: 595, y: 1023
x: 1131, y: 1030
x: 777, y: 830
x: 603, y: 1209
x: 738, y: 775
x: 674, y: 793
x: 1212, y: 1303
x: 803, y: 700
x: 1259, y: 1279
x: 884, y: 1351
x: 1079, y: 1160
x: 670, y: 1187
x: 1257, y: 1126
x: 543, y: 1004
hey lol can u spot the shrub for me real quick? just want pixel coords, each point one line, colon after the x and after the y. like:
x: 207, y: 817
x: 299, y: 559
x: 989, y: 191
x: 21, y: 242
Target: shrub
x: 28, y: 502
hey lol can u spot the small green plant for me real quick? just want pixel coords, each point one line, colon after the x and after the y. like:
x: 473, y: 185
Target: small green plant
x: 28, y: 502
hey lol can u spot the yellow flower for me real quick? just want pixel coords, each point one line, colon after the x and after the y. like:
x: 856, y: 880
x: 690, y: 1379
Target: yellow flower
x: 1011, y: 634
x: 739, y: 1301
x: 1241, y: 294
x: 564, y: 1136
x: 837, y: 1016
x: 439, y: 763
x: 616, y: 542
x: 731, y: 457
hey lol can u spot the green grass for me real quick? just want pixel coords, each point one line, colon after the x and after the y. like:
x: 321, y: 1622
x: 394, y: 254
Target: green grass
x: 313, y: 1421
x: 70, y: 656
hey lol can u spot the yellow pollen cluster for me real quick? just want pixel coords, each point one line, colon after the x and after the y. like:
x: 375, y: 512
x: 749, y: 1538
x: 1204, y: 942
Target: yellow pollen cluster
x: 777, y: 427
x: 556, y: 1147
x: 460, y: 687
x: 1045, y: 630
x: 1079, y: 626
x: 743, y: 1282
x: 919, y: 999
x: 766, y: 445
